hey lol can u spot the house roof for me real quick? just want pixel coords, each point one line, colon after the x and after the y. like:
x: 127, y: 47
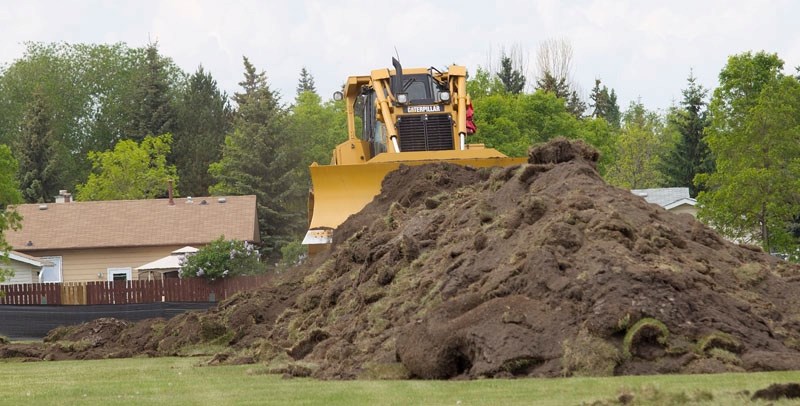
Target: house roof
x: 663, y: 196
x: 686, y: 201
x: 25, y: 258
x: 134, y: 223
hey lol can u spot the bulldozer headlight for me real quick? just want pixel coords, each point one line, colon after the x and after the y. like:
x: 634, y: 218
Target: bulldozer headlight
x: 444, y: 96
x: 338, y: 96
x: 402, y: 98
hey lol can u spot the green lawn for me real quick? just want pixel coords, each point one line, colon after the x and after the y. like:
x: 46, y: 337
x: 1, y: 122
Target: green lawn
x: 181, y: 381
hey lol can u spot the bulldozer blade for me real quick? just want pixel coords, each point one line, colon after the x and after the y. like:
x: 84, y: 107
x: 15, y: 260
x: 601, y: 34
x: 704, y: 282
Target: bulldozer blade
x: 342, y: 190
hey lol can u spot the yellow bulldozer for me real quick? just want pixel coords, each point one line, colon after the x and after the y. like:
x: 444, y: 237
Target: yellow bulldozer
x: 394, y: 117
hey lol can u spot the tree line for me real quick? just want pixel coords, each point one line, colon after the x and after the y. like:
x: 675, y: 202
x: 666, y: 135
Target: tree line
x: 114, y: 122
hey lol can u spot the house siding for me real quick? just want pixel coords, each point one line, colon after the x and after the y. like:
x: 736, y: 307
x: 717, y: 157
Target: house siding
x: 23, y: 273
x: 83, y: 265
x: 685, y: 208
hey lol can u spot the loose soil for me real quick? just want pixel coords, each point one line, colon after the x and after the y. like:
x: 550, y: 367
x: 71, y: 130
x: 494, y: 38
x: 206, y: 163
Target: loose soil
x: 539, y: 269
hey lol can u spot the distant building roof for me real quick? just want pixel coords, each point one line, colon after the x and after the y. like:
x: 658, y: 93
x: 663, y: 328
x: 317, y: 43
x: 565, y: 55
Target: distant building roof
x: 666, y: 197
x: 170, y: 262
x: 134, y: 223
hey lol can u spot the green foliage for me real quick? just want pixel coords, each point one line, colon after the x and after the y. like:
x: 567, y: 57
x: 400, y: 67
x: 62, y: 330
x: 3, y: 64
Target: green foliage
x: 484, y: 84
x: 511, y: 123
x: 755, y: 112
x: 90, y: 92
x: 320, y: 127
x: 635, y: 332
x: 640, y: 146
x: 131, y: 171
x: 36, y: 152
x: 9, y: 195
x: 222, y: 259
x: 690, y: 154
x: 260, y: 158
x: 292, y: 253
x: 203, y: 117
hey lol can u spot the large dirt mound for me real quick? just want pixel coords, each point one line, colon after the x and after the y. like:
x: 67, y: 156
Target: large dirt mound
x: 535, y: 270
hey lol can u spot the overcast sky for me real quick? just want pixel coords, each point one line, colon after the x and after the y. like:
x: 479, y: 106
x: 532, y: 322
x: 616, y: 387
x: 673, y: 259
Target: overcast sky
x: 643, y: 49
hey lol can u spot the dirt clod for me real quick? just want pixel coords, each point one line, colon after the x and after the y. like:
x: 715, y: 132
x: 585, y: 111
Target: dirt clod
x: 778, y: 391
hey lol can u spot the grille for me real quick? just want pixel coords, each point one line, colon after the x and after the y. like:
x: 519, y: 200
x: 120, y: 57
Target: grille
x: 426, y: 132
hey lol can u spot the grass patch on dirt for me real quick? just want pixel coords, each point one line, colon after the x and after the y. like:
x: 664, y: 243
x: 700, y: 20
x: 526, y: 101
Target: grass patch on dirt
x: 181, y: 381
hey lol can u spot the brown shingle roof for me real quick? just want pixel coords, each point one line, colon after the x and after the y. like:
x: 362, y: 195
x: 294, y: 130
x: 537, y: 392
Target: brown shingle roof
x: 134, y: 223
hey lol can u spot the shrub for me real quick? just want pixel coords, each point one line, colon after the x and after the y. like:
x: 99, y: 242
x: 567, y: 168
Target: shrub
x: 221, y: 259
x: 293, y: 253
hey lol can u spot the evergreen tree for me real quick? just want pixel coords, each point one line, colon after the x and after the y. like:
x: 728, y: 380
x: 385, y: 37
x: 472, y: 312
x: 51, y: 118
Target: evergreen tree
x: 551, y: 84
x: 575, y: 105
x: 599, y: 100
x: 306, y: 82
x: 154, y: 114
x: 36, y: 151
x: 604, y: 104
x: 260, y: 158
x: 690, y: 155
x: 513, y: 80
x: 562, y: 90
x: 203, y: 116
x: 614, y: 115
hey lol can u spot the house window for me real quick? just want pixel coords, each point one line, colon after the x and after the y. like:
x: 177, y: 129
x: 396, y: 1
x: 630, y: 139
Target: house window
x: 52, y: 272
x: 119, y: 274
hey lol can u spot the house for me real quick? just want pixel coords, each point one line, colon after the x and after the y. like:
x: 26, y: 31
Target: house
x: 674, y: 199
x: 106, y: 240
x: 26, y: 268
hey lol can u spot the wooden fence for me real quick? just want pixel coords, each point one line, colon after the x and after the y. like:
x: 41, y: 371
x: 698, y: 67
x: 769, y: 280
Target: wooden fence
x: 127, y: 292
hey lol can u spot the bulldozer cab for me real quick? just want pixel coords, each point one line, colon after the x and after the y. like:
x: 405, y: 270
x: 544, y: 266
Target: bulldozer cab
x: 419, y: 89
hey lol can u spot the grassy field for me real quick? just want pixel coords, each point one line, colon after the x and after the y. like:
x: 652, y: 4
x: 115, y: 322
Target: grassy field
x: 182, y: 381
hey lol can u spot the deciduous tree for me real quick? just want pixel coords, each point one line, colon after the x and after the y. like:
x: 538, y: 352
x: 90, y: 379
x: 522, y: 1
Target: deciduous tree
x: 640, y: 145
x: 130, y: 171
x: 320, y: 126
x: 753, y: 136
x: 9, y: 195
x: 483, y: 83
